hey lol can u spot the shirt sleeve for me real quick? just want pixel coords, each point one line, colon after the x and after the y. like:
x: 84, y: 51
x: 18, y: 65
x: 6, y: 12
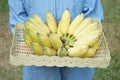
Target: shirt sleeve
x: 17, y: 13
x: 94, y: 9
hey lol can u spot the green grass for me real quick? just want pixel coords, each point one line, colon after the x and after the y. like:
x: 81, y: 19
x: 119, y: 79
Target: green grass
x: 111, y: 23
x: 112, y: 11
x: 112, y: 33
x: 3, y: 6
x: 112, y: 72
x: 10, y: 73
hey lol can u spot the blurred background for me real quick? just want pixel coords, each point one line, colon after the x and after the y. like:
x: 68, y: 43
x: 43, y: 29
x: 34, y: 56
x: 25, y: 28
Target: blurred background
x: 111, y: 26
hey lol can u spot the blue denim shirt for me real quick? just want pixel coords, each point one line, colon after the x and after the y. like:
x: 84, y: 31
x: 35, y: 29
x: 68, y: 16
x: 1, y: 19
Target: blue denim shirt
x: 21, y: 9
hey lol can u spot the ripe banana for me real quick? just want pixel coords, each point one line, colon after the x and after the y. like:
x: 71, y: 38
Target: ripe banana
x: 90, y: 28
x: 41, y: 23
x: 25, y: 32
x: 36, y: 24
x: 96, y: 45
x: 94, y: 33
x: 37, y: 48
x: 89, y: 39
x: 49, y: 51
x: 91, y: 52
x: 27, y: 41
x: 62, y: 52
x: 29, y: 25
x: 77, y: 51
x: 74, y: 24
x: 64, y: 22
x: 32, y: 27
x: 83, y: 25
x: 27, y: 38
x: 59, y: 32
x: 33, y: 36
x: 55, y: 41
x: 44, y: 40
x: 51, y: 22
x: 32, y: 21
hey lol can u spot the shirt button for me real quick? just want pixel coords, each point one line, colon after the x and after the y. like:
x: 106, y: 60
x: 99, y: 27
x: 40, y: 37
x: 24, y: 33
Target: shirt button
x: 51, y: 8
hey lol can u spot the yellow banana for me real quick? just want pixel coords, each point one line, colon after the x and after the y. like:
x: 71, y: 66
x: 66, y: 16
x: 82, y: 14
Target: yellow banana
x: 74, y: 24
x: 91, y: 52
x: 62, y: 52
x: 44, y: 40
x: 51, y: 22
x: 36, y: 24
x: 89, y: 39
x: 32, y: 21
x: 32, y: 27
x: 27, y: 38
x: 77, y: 51
x: 27, y: 41
x: 55, y: 41
x: 41, y: 23
x: 90, y: 28
x: 64, y: 22
x: 37, y: 48
x: 83, y: 25
x: 90, y: 35
x: 29, y: 25
x: 33, y: 36
x: 25, y: 32
x: 86, y: 41
x: 96, y: 45
x: 49, y: 51
x: 59, y: 32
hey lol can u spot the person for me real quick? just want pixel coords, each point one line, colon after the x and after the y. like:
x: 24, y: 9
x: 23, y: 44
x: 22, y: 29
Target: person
x: 21, y: 9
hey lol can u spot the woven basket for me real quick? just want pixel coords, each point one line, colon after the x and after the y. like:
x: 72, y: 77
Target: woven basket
x: 21, y: 54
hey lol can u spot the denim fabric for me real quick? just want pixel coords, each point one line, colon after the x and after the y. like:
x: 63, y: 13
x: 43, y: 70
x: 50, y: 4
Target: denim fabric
x: 77, y: 73
x: 21, y: 9
x: 57, y: 73
x: 41, y: 73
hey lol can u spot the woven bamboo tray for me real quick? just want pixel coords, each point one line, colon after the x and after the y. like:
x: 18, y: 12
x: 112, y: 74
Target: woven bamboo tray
x: 21, y: 54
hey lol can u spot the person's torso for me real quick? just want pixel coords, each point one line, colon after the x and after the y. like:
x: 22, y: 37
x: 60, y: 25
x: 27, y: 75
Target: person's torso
x: 57, y: 7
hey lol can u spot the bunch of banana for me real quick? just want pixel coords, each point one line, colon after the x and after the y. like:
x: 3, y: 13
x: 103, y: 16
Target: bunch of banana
x: 74, y: 38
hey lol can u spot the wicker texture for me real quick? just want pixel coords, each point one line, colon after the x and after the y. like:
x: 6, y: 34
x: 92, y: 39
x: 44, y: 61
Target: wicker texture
x: 21, y: 54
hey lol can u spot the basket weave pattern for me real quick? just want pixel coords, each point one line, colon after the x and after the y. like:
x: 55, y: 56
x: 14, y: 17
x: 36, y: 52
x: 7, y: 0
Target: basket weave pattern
x: 21, y: 54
